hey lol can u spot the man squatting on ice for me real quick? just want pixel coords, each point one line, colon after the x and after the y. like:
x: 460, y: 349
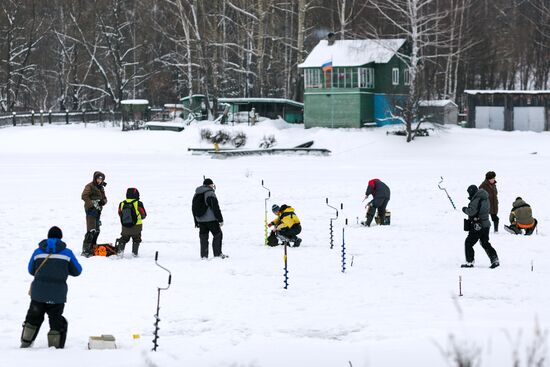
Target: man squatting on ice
x: 131, y: 212
x: 94, y: 200
x: 50, y: 264
x: 286, y: 224
x: 478, y: 226
x: 208, y: 218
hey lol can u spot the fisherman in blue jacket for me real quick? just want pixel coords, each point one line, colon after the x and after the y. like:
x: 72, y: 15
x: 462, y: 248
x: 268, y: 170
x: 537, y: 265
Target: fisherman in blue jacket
x: 50, y: 264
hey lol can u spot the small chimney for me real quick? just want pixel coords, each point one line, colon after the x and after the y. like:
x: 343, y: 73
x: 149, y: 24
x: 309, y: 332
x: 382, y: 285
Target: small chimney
x: 331, y: 37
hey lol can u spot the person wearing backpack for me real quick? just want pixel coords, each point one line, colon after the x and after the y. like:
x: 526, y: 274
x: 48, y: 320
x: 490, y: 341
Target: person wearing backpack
x: 208, y: 218
x: 94, y: 199
x: 50, y: 264
x: 131, y: 212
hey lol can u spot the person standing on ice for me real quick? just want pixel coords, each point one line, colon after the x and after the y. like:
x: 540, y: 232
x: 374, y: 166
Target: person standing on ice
x: 490, y: 185
x: 50, y: 264
x: 478, y: 226
x: 94, y: 200
x: 131, y: 212
x: 380, y: 197
x: 208, y: 218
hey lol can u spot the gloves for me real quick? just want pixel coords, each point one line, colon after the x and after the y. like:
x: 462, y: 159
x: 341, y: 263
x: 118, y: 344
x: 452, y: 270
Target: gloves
x: 464, y: 208
x: 102, y: 202
x: 221, y: 224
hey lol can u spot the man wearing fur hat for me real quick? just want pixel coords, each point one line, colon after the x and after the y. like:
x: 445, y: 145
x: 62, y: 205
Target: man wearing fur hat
x: 490, y: 185
x: 94, y: 200
x: 50, y: 264
x: 478, y: 226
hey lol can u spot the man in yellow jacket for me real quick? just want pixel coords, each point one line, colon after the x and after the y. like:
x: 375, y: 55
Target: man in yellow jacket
x: 286, y: 224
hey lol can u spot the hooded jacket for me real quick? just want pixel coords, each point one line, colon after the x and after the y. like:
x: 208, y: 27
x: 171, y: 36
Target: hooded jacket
x: 50, y: 283
x: 213, y: 212
x: 479, y: 207
x: 93, y: 191
x: 286, y: 218
x: 377, y: 189
x: 521, y: 213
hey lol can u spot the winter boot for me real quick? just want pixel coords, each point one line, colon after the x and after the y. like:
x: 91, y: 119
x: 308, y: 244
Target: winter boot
x: 119, y: 247
x: 369, y: 220
x: 297, y: 242
x: 529, y: 231
x: 494, y: 263
x: 28, y: 334
x: 56, y: 339
x: 469, y: 264
x: 135, y: 248
x: 512, y: 229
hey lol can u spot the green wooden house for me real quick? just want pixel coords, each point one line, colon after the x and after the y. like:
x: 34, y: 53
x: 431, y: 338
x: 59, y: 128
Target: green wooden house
x: 354, y: 83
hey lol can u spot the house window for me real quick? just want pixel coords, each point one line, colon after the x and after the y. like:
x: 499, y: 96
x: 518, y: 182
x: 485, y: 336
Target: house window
x: 312, y: 78
x: 366, y: 78
x: 406, y: 77
x: 395, y: 76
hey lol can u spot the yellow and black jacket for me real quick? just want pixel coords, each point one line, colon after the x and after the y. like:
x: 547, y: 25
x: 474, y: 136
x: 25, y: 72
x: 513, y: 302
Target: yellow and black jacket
x: 286, y: 218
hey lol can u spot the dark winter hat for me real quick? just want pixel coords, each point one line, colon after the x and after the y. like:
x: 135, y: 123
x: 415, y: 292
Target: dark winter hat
x: 132, y: 193
x: 519, y: 198
x: 55, y: 232
x: 275, y: 208
x: 472, y: 189
x: 207, y: 182
x: 489, y: 175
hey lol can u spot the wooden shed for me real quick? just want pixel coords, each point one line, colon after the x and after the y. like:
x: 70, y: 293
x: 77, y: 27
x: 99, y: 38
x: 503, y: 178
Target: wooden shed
x: 353, y: 83
x: 195, y: 104
x: 508, y: 109
x: 441, y: 111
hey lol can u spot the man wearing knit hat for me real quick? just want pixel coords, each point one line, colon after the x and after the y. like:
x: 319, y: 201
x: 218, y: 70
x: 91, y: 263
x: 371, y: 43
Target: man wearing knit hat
x: 208, y: 218
x: 490, y: 185
x: 50, y: 264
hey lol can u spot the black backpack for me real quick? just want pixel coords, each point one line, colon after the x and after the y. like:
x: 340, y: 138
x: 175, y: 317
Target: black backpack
x: 128, y: 215
x: 199, y: 207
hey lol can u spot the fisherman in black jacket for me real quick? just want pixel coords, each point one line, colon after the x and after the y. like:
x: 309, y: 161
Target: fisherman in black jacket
x: 50, y: 264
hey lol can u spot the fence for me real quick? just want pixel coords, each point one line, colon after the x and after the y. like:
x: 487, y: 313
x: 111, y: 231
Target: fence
x: 61, y: 117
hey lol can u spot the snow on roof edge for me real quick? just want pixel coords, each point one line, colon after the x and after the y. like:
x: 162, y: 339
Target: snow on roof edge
x: 504, y: 91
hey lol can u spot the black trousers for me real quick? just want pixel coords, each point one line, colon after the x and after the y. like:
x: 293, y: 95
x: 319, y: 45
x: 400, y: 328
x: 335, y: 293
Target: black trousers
x: 483, y: 237
x: 291, y: 232
x: 495, y: 220
x: 37, y: 310
x: 217, y: 236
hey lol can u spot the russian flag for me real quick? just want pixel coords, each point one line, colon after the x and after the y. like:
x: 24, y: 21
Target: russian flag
x: 327, y: 66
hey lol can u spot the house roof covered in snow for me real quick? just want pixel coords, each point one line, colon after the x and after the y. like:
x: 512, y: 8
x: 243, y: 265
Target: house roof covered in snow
x: 502, y: 91
x: 437, y: 103
x: 134, y: 101
x: 260, y: 100
x: 353, y: 52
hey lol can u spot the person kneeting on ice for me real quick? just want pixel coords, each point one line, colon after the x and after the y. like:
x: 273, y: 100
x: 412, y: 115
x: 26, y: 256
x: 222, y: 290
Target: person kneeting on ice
x: 478, y: 226
x: 132, y: 213
x: 286, y: 225
x: 94, y: 200
x: 521, y: 218
x: 50, y: 264
x: 208, y: 218
x: 380, y: 197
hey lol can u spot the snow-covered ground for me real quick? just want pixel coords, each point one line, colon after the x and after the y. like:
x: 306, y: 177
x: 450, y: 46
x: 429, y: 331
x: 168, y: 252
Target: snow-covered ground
x: 397, y: 305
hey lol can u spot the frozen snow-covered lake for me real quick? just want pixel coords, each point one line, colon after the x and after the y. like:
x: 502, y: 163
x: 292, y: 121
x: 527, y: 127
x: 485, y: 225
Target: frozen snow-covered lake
x: 397, y: 305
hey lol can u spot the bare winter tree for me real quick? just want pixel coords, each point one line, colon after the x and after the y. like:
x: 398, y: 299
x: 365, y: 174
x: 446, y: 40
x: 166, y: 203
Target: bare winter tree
x: 416, y: 21
x: 19, y: 27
